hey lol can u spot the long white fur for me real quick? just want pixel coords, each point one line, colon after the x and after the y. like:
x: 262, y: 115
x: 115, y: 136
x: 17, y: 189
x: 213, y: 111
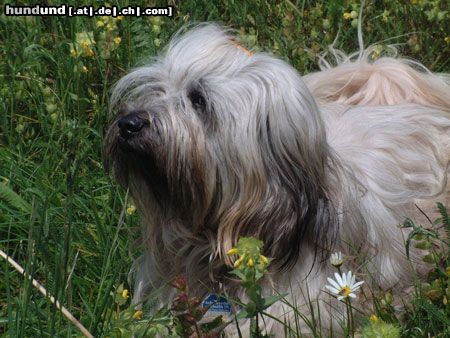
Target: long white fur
x: 384, y: 124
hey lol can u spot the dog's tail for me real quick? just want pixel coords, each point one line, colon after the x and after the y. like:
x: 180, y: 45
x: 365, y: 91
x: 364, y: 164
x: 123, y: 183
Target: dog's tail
x: 363, y: 78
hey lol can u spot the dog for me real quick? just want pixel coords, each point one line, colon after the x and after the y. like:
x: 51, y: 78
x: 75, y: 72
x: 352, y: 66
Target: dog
x: 215, y: 142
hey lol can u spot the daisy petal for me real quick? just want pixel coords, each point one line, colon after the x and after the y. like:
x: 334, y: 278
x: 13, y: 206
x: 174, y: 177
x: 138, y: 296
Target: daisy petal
x: 333, y: 290
x: 338, y: 279
x: 333, y: 283
x: 357, y: 285
x: 349, y: 278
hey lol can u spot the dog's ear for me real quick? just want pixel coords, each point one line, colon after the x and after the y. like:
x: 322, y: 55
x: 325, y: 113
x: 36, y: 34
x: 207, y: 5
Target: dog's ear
x: 297, y: 159
x: 284, y: 198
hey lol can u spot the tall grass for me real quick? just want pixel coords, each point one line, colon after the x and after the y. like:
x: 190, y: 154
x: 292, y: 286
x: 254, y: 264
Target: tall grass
x: 61, y: 217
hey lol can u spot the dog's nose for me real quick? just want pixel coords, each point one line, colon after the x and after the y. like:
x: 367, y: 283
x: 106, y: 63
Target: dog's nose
x: 129, y: 125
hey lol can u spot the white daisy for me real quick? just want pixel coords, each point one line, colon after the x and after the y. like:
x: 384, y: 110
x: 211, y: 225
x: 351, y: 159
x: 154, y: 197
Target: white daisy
x: 344, y: 286
x: 336, y: 259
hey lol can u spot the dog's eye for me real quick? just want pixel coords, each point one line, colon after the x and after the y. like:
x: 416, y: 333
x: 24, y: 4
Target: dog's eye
x: 197, y: 100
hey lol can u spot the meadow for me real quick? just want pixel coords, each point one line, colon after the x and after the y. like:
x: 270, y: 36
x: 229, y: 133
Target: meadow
x: 66, y: 222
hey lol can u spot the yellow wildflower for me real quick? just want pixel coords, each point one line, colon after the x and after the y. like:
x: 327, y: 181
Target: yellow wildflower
x: 238, y: 263
x: 73, y: 52
x: 373, y: 319
x: 138, y: 315
x: 84, y: 41
x: 264, y: 260
x: 89, y: 52
x: 84, y: 69
x: 347, y: 16
x: 109, y: 27
x: 232, y: 252
x: 125, y: 294
x: 250, y: 262
x: 131, y: 209
x: 100, y: 23
x: 117, y: 40
x: 85, y: 44
x: 385, y: 15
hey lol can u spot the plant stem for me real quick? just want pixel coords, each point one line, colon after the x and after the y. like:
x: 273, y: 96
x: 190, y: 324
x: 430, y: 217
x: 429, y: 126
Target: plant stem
x: 44, y: 291
x: 349, y: 318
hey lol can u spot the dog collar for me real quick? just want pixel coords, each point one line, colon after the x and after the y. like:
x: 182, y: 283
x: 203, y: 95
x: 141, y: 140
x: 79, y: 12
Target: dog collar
x: 245, y: 50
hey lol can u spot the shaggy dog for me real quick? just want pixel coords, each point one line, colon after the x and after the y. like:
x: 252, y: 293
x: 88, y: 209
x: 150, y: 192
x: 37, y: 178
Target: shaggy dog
x: 214, y: 143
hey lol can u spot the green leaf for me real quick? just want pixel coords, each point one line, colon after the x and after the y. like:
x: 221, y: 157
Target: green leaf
x: 251, y: 309
x: 268, y: 301
x: 13, y: 199
x: 254, y: 293
x: 242, y: 314
x: 249, y: 246
x: 432, y: 311
x: 444, y: 214
x: 238, y: 273
x: 430, y: 258
x: 214, y: 324
x: 423, y: 245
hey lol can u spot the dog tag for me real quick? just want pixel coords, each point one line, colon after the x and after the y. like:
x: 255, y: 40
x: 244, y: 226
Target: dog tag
x: 216, y: 305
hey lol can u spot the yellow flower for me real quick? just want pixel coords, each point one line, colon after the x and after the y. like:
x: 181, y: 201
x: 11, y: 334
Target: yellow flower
x: 125, y: 294
x: 232, y: 252
x: 117, y: 40
x: 100, y: 23
x: 109, y: 27
x: 345, y: 291
x: 347, y: 16
x: 250, y: 262
x: 85, y: 44
x: 373, y: 318
x: 138, y: 315
x: 238, y: 263
x: 84, y: 69
x: 131, y: 209
x: 73, y: 52
x: 377, y: 52
x: 264, y: 259
x: 89, y: 52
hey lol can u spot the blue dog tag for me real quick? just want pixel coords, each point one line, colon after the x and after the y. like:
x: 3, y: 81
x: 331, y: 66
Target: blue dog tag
x: 216, y: 304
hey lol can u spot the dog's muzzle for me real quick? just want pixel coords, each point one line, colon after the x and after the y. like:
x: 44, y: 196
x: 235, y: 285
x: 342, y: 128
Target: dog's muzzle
x: 130, y: 125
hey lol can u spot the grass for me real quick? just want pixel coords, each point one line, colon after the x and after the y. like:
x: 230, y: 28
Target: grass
x: 61, y: 217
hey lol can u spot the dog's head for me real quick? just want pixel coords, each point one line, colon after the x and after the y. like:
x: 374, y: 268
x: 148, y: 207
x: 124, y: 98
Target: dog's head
x: 223, y: 141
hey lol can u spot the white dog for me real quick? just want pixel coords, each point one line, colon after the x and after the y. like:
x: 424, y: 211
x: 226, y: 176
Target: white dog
x: 215, y: 143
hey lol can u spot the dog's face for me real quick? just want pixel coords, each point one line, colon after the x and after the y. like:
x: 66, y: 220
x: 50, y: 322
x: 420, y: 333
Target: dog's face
x: 225, y: 142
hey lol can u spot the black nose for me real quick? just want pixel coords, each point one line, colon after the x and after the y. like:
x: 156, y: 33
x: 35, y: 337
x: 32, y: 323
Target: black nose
x: 129, y: 125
